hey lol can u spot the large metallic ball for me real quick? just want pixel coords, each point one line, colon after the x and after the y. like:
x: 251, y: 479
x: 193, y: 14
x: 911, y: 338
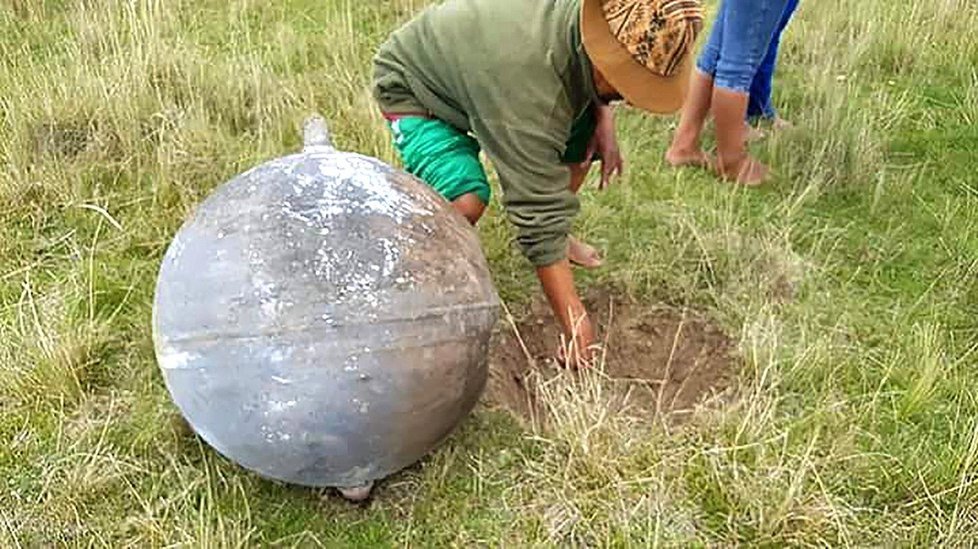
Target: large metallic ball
x: 324, y: 319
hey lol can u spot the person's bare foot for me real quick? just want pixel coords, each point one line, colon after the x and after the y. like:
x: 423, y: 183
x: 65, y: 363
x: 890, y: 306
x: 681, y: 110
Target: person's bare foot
x: 746, y: 171
x: 695, y: 158
x: 583, y: 255
x: 780, y: 124
x: 754, y: 133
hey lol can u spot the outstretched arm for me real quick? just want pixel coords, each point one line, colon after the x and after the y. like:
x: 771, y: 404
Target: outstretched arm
x: 558, y: 284
x: 541, y: 206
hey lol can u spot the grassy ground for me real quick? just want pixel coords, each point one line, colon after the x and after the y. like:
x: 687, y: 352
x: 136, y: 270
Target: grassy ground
x: 849, y: 282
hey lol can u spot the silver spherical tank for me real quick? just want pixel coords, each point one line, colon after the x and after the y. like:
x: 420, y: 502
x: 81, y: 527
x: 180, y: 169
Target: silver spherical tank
x: 324, y: 319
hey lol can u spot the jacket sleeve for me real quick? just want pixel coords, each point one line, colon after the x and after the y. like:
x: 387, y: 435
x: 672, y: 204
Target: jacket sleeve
x: 536, y: 186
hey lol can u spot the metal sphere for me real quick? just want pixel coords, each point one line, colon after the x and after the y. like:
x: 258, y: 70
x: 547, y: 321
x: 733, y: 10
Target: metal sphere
x: 324, y: 319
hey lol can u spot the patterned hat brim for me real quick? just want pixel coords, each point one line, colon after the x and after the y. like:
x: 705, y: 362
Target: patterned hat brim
x: 637, y: 84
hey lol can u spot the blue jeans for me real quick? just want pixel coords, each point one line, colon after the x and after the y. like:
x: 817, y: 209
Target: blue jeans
x: 760, y: 105
x: 739, y: 42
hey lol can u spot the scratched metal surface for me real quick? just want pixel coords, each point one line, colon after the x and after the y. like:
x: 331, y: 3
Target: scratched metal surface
x: 324, y: 319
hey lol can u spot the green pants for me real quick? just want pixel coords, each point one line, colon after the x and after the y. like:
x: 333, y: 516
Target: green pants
x: 448, y: 159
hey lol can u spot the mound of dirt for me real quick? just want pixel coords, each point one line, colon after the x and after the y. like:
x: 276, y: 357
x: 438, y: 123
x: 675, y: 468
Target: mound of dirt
x: 657, y: 360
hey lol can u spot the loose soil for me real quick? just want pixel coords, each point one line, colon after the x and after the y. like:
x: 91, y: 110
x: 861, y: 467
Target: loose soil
x: 657, y: 359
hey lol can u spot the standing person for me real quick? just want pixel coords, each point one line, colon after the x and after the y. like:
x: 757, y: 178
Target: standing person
x: 760, y: 107
x: 530, y: 82
x: 738, y: 44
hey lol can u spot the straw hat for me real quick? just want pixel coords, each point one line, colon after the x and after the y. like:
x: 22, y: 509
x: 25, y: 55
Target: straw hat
x: 644, y: 48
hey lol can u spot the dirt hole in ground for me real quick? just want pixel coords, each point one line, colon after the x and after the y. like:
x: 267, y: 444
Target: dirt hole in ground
x: 657, y: 359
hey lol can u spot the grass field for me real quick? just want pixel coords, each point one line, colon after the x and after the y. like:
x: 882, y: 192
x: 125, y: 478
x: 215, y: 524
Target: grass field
x: 850, y: 284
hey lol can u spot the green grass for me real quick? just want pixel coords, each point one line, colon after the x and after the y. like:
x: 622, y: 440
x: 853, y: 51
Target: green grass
x: 850, y: 283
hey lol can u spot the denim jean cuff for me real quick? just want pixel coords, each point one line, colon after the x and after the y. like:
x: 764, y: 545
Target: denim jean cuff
x: 706, y: 67
x: 740, y: 83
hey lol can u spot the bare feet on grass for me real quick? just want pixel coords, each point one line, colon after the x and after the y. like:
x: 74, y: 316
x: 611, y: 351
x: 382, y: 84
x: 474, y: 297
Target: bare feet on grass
x: 734, y: 162
x: 755, y: 133
x: 583, y: 255
x: 780, y: 124
x: 745, y: 171
x: 692, y: 158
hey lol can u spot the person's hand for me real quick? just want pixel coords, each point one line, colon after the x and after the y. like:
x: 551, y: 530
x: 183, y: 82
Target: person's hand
x: 581, y: 357
x: 605, y: 143
x: 577, y: 347
x: 579, y: 351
